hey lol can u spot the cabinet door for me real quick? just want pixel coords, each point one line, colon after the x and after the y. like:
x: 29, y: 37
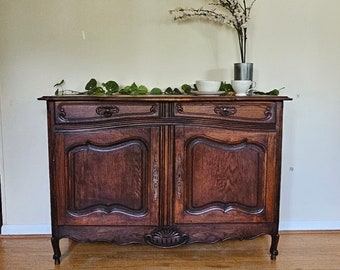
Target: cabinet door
x: 107, y: 177
x: 224, y: 176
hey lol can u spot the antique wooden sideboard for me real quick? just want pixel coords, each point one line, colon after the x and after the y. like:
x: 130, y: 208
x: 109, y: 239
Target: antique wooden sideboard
x: 164, y: 170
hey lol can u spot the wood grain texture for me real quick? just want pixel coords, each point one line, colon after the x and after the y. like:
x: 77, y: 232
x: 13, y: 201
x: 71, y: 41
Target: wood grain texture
x: 298, y: 251
x: 164, y: 171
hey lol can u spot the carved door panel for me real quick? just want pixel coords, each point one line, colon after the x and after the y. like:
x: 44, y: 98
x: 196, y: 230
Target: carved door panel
x: 108, y: 177
x: 224, y: 176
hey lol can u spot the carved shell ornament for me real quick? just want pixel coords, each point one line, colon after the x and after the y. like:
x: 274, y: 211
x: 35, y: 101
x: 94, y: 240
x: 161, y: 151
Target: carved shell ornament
x: 166, y: 237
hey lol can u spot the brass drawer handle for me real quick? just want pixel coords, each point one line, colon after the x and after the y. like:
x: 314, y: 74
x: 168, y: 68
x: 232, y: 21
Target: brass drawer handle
x: 107, y: 111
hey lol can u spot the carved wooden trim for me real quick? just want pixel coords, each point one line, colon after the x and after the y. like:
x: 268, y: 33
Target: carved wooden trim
x: 166, y: 237
x: 223, y: 184
x: 179, y: 177
x: 153, y: 108
x: 62, y: 113
x: 269, y: 112
x: 155, y: 178
x: 179, y: 108
x: 78, y: 203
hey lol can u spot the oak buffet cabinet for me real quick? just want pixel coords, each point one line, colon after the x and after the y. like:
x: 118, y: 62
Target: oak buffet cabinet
x: 164, y: 170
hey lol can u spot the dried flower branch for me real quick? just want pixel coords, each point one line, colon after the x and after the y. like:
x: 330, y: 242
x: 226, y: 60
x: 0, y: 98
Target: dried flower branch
x: 233, y: 13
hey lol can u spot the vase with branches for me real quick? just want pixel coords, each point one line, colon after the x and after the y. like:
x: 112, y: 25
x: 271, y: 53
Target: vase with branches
x: 233, y: 13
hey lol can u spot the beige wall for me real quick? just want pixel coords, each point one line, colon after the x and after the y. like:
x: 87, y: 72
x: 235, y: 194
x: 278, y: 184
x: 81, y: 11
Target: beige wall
x: 293, y: 43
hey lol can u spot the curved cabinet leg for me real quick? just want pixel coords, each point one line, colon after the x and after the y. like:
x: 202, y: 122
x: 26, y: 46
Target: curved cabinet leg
x: 273, y: 248
x: 56, y: 250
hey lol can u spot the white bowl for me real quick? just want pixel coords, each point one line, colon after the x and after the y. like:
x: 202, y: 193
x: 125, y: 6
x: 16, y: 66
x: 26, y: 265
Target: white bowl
x: 208, y: 86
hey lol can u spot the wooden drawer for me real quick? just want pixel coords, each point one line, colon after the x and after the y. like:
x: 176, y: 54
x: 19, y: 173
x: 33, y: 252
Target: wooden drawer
x: 262, y: 112
x: 81, y: 112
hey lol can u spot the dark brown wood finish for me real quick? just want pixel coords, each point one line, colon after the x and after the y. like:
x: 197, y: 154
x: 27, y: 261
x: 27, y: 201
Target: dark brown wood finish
x: 164, y: 170
x: 0, y: 209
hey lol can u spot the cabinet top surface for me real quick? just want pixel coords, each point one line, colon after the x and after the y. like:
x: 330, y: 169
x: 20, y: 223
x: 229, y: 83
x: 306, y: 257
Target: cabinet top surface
x: 163, y: 98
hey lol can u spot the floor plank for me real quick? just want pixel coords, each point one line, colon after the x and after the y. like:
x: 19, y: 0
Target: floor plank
x: 298, y: 250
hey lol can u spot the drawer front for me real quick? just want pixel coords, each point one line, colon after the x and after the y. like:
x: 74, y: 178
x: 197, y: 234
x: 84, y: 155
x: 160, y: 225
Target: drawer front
x: 81, y: 112
x: 262, y: 112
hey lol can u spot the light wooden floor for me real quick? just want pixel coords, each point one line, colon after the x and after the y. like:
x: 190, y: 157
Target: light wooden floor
x: 298, y: 250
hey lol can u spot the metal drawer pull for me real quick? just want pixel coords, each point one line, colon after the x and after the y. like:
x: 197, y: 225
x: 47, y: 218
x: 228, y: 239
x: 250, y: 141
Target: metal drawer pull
x: 107, y: 111
x: 225, y: 110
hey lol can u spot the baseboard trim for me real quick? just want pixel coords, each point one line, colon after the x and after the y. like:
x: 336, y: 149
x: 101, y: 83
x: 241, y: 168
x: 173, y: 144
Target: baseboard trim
x: 26, y: 229
x: 310, y: 226
x: 284, y: 226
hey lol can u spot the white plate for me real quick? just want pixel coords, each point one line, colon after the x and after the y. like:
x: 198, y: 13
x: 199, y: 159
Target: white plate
x: 208, y: 93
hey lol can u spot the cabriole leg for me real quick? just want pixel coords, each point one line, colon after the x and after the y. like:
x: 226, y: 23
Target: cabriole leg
x: 273, y: 248
x: 56, y: 250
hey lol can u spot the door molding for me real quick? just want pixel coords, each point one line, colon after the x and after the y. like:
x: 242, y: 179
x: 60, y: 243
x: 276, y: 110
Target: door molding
x: 1, y: 167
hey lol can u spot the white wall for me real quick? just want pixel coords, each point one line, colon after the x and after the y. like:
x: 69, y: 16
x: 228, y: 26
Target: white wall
x: 293, y: 43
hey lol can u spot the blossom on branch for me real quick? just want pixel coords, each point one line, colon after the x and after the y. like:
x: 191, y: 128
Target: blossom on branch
x: 234, y: 13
